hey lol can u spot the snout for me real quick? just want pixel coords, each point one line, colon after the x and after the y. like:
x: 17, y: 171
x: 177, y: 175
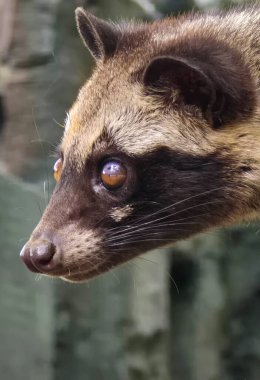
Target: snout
x: 42, y: 256
x: 69, y: 252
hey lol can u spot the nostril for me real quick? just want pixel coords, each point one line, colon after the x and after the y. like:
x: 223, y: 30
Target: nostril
x: 42, y: 254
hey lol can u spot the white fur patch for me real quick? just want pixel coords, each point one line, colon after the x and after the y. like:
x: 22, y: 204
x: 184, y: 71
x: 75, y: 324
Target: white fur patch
x: 120, y: 213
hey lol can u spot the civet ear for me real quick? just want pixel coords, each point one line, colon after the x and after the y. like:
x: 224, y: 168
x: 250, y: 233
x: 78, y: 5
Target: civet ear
x: 99, y: 36
x: 222, y: 97
x: 194, y: 87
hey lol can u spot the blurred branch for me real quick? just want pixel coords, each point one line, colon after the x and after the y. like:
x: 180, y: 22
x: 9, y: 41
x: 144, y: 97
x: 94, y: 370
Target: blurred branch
x: 208, y: 4
x: 148, y: 7
x: 6, y: 26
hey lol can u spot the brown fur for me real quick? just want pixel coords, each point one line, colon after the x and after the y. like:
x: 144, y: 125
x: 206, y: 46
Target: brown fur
x: 177, y: 101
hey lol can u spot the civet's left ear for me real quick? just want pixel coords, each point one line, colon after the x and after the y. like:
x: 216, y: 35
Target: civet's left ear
x: 221, y: 98
x: 99, y: 36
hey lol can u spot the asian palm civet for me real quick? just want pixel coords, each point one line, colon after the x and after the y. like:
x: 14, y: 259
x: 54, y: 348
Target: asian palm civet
x: 162, y: 142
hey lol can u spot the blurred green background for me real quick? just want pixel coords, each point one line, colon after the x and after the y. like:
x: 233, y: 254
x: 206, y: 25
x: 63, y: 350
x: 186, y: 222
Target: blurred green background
x: 191, y: 312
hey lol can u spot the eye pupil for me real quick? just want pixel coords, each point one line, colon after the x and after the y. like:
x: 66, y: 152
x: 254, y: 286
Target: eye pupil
x: 113, y: 175
x: 57, y: 169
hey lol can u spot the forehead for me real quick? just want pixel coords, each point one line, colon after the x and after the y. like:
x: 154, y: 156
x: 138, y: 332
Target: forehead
x: 114, y: 110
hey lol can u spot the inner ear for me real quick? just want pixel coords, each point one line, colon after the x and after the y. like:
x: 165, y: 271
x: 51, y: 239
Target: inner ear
x: 99, y: 36
x: 193, y: 85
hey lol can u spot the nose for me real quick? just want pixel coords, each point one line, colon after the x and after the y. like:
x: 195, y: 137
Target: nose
x: 40, y: 256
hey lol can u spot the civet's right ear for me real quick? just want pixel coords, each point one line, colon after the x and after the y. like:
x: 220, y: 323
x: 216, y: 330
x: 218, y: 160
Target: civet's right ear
x: 223, y: 93
x: 99, y: 36
x: 195, y: 87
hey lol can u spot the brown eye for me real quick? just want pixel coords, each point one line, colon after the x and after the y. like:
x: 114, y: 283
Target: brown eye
x: 57, y: 169
x: 113, y: 175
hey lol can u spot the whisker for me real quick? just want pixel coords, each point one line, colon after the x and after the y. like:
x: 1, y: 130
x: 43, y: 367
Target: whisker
x: 147, y: 228
x: 143, y: 240
x: 167, y: 272
x: 174, y: 282
x: 176, y: 220
x: 59, y: 124
x: 44, y: 191
x: 170, y: 206
x: 180, y: 202
x: 171, y: 215
x: 114, y: 275
x: 42, y: 147
x: 39, y: 140
x: 126, y: 229
x: 188, y: 208
x: 38, y: 277
x: 38, y: 204
x: 118, y: 227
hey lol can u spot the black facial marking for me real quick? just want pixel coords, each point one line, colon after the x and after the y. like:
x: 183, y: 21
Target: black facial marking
x: 173, y: 195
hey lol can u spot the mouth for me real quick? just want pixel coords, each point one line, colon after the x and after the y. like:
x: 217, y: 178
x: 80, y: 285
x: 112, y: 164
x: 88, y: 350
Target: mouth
x: 101, y: 264
x: 81, y: 276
